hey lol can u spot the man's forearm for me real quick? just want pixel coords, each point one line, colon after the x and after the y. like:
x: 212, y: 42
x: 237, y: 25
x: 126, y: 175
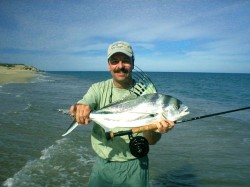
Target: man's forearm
x: 152, y: 137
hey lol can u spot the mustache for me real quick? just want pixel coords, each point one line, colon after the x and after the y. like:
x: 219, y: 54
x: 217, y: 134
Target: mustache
x: 123, y: 70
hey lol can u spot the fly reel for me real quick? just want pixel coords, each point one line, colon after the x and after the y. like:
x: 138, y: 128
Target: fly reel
x: 138, y: 146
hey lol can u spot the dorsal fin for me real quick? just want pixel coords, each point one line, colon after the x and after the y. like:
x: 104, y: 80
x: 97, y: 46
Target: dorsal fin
x: 144, y: 83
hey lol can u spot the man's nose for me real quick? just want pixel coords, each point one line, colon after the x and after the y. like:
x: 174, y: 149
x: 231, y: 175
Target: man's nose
x: 120, y: 64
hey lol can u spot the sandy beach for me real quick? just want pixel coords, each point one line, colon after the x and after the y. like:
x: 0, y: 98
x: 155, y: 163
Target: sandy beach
x: 17, y: 73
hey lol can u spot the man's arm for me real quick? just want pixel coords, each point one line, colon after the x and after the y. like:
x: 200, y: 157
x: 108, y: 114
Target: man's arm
x: 162, y: 127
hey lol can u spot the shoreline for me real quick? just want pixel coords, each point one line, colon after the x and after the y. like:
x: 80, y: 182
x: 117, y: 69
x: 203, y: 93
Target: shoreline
x: 17, y: 73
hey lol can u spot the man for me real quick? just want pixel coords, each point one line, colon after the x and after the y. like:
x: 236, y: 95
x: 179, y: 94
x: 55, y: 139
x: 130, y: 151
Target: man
x: 115, y: 165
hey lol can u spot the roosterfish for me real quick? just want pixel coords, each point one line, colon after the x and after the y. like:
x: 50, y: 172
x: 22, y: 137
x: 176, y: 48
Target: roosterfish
x: 145, y: 107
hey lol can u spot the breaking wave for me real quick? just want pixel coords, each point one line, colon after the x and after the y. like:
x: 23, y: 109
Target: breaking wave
x: 60, y: 164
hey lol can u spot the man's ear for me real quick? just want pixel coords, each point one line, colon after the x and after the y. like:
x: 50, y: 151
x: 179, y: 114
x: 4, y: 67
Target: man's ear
x: 108, y: 66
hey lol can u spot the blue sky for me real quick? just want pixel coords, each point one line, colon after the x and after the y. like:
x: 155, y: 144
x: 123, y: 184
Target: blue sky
x: 166, y: 35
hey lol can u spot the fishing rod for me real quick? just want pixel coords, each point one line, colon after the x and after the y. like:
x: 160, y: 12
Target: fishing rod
x: 139, y: 146
x: 111, y: 135
x: 210, y: 115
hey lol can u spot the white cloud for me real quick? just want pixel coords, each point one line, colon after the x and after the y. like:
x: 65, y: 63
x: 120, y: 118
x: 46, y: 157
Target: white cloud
x: 62, y: 32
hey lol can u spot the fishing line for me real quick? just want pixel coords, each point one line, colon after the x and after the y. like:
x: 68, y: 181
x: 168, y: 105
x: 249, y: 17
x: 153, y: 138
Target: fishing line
x: 139, y: 146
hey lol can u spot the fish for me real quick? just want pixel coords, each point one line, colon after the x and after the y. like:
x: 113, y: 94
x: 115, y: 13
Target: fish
x: 137, y: 111
x: 146, y: 106
x: 144, y: 86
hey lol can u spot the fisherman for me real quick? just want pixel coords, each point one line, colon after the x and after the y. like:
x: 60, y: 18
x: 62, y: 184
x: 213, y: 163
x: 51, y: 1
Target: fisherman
x: 115, y: 165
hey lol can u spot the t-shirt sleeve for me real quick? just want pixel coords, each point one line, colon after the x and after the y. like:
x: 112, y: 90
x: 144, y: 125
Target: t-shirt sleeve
x: 90, y: 98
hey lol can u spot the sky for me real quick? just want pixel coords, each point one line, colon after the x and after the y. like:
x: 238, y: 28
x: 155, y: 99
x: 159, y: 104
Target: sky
x: 166, y: 35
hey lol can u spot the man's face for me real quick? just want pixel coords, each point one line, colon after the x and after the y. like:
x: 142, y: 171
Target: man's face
x: 121, y: 66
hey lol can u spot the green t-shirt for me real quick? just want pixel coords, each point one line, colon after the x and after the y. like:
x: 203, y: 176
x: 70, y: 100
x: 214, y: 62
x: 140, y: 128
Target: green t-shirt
x: 99, y: 95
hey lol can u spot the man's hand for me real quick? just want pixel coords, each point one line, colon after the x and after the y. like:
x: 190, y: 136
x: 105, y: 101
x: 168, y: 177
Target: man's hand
x: 153, y: 136
x: 164, y: 126
x: 81, y: 113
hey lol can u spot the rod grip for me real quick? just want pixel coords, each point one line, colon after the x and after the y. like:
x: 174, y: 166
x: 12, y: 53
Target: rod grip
x: 110, y: 135
x: 144, y: 128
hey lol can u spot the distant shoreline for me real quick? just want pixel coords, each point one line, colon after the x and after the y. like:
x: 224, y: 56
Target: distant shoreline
x: 17, y: 73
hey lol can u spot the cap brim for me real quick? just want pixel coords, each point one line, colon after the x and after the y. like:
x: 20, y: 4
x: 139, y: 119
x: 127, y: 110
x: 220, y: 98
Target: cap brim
x: 120, y: 51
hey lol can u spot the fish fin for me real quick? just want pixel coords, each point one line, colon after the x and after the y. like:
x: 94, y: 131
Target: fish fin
x: 144, y: 83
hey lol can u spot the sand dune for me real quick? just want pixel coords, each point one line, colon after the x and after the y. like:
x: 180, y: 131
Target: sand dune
x: 17, y: 73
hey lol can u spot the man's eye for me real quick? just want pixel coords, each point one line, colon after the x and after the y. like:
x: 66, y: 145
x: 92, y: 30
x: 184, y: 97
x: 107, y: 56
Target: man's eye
x: 126, y: 61
x: 114, y: 62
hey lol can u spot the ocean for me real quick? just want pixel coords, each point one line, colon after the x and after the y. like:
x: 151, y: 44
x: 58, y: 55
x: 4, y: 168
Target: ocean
x: 207, y: 152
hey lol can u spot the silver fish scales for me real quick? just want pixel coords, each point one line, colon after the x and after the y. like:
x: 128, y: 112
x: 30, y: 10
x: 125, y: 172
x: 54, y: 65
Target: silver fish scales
x: 137, y: 111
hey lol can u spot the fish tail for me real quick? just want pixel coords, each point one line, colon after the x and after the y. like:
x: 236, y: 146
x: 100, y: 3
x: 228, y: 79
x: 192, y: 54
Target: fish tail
x: 72, y: 126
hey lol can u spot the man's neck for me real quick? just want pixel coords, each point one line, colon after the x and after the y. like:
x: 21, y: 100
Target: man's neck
x: 124, y: 84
